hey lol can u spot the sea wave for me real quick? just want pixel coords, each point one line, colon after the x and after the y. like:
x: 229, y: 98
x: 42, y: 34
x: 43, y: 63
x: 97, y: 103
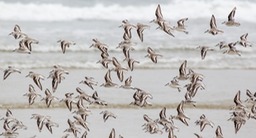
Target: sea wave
x: 172, y: 10
x: 174, y: 48
x: 211, y: 62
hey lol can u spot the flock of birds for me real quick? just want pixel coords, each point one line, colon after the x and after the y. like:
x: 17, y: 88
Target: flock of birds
x: 193, y: 83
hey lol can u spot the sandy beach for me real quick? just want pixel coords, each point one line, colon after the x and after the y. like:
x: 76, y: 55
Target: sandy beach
x: 214, y: 102
x: 129, y: 123
x: 221, y: 85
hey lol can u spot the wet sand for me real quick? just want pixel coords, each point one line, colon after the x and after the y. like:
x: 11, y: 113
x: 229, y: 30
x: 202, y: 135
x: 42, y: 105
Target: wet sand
x: 214, y: 102
x: 220, y: 85
x: 129, y: 123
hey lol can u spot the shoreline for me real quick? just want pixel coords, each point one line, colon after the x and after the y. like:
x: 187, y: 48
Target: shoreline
x: 54, y: 105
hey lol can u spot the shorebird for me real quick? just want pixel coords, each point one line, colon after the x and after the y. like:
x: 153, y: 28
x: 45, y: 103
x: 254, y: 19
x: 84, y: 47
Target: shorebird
x: 232, y: 50
x: 159, y: 17
x: 119, y: 69
x: 57, y: 76
x: 97, y: 99
x: 32, y: 94
x: 140, y: 29
x: 126, y: 39
x: 8, y: 115
x: 238, y: 103
x: 152, y: 128
x: 243, y: 41
x: 9, y: 133
x: 36, y: 78
x: 162, y: 113
x: 80, y: 104
x: 127, y: 83
x: 147, y: 118
x: 165, y: 122
x: 108, y: 80
x: 89, y: 81
x: 48, y: 98
x: 218, y: 132
x: 181, y: 26
x: 162, y: 24
x: 193, y: 88
x: 188, y: 99
x: 180, y: 114
x: 231, y: 19
x: 126, y: 48
x: 82, y: 110
x: 64, y: 44
x: 83, y: 95
x: 222, y: 44
x: 49, y: 124
x: 57, y: 73
x: 72, y: 128
x: 195, y: 77
x: 251, y: 97
x: 107, y: 114
x: 22, y: 48
x: 17, y: 34
x: 112, y: 133
x: 140, y: 98
x: 9, y: 118
x: 100, y: 46
x: 116, y: 63
x: 11, y: 125
x: 183, y: 75
x: 174, y: 83
x: 171, y: 134
x: 80, y: 121
x: 127, y: 28
x: 40, y: 120
x: 27, y: 42
x: 213, y: 27
x: 203, y: 121
x: 167, y: 28
x: 84, y: 135
x: 10, y: 70
x: 131, y: 63
x: 238, y: 120
x: 126, y: 43
x: 143, y: 99
x: 18, y: 125
x: 152, y: 55
x: 104, y: 60
x: 151, y: 125
x: 120, y: 74
x: 252, y: 114
x: 68, y: 100
x: 203, y: 51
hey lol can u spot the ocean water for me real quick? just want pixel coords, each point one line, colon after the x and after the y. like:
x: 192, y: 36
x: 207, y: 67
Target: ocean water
x: 81, y: 21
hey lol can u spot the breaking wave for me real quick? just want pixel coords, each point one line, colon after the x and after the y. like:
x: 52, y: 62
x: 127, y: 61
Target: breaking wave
x: 175, y: 9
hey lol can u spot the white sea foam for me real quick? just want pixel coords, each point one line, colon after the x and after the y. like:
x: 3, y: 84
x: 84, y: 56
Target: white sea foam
x: 210, y: 62
x: 172, y: 10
